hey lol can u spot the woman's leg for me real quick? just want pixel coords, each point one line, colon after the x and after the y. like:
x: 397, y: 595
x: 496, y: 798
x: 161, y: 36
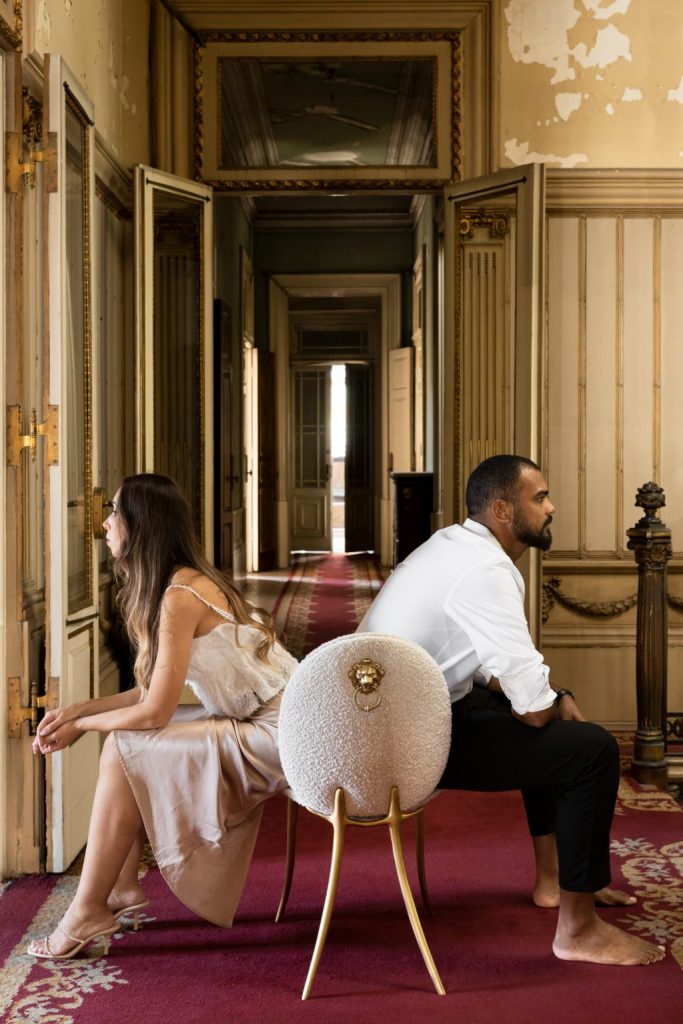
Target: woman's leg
x: 115, y: 825
x: 127, y: 891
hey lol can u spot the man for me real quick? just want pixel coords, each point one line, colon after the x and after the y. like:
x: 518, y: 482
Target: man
x: 461, y: 597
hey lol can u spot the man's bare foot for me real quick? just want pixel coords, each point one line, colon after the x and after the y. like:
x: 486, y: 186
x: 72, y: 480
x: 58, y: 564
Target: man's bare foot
x: 602, y: 943
x: 547, y: 894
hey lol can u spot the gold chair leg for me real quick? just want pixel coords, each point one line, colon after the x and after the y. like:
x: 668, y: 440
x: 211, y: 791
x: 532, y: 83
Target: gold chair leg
x: 338, y: 821
x: 292, y: 815
x: 394, y: 823
x: 420, y: 851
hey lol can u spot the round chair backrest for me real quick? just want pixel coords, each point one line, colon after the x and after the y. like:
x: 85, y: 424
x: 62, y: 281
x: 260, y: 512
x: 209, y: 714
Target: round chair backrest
x: 365, y: 712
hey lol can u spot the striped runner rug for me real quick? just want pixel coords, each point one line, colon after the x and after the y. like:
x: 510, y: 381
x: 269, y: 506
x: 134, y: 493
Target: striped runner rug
x: 325, y: 596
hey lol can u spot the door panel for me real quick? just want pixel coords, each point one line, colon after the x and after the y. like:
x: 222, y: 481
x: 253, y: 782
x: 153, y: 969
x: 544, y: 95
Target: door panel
x: 494, y: 367
x: 225, y: 455
x: 401, y: 448
x: 70, y: 454
x: 174, y: 281
x: 358, y: 483
x: 312, y: 461
x: 267, y: 474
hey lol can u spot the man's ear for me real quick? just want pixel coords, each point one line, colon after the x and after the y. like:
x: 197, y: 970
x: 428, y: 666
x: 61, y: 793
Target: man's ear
x: 502, y: 510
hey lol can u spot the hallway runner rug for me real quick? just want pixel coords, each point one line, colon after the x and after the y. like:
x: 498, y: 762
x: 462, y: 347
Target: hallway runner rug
x: 491, y: 945
x: 325, y: 596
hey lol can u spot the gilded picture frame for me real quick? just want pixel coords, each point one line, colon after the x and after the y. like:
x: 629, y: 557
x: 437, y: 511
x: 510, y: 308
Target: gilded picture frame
x: 385, y: 105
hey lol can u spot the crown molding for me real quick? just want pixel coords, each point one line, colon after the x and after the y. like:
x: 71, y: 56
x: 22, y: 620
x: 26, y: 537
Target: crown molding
x: 614, y: 189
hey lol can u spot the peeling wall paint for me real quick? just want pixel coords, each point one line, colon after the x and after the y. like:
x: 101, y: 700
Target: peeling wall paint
x: 592, y: 82
x: 106, y: 46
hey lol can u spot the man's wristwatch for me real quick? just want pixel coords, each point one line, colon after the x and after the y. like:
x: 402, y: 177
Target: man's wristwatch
x: 559, y: 694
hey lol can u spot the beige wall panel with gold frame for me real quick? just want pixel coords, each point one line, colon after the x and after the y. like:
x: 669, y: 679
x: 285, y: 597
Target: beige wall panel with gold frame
x: 70, y: 452
x: 174, y: 332
x: 613, y: 422
x: 5, y: 598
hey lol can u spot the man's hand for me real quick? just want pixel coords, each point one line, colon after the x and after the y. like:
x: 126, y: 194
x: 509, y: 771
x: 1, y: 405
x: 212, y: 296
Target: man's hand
x: 569, y: 711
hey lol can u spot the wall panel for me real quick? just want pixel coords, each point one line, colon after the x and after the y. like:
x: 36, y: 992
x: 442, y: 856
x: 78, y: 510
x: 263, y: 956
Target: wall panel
x: 601, y: 384
x: 563, y: 402
x: 639, y: 350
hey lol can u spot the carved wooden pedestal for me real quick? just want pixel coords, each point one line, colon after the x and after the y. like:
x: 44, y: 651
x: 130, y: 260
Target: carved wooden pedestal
x: 650, y: 540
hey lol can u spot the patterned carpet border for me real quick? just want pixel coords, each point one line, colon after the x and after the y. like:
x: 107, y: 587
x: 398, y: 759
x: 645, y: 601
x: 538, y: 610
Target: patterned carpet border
x: 359, y: 578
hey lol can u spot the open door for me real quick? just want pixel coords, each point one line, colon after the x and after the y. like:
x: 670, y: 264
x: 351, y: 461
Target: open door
x: 174, y: 337
x: 359, y: 506
x: 70, y: 452
x: 493, y: 367
x: 312, y: 459
x: 260, y: 459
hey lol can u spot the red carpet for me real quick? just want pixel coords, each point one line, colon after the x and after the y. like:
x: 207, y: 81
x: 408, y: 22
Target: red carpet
x: 491, y: 945
x: 326, y: 595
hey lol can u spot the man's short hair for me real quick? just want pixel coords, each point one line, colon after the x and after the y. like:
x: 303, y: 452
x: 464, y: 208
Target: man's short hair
x: 493, y: 479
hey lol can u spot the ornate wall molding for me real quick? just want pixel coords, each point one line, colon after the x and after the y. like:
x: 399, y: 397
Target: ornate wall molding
x: 613, y: 190
x: 553, y: 593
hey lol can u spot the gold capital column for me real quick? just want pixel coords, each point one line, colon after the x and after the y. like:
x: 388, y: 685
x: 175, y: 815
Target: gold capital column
x: 650, y: 540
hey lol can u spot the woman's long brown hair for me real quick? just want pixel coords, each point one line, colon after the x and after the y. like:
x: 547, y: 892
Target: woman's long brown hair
x: 158, y: 539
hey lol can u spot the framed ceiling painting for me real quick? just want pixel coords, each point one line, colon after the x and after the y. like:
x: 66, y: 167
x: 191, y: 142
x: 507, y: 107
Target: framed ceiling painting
x: 293, y: 111
x: 10, y: 24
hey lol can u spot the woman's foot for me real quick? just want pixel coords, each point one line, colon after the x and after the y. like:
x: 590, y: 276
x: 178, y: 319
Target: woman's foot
x: 72, y: 933
x: 128, y: 903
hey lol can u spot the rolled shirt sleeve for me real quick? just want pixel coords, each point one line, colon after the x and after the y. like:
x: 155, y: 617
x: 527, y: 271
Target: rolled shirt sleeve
x: 488, y: 603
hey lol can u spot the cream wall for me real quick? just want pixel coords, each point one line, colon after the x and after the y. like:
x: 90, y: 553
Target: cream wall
x: 106, y: 46
x: 591, y: 83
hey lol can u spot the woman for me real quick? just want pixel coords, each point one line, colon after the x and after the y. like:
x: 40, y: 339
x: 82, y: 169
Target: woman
x: 192, y: 779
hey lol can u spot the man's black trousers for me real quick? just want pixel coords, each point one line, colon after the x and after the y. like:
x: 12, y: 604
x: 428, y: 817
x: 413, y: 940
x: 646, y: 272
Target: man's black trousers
x: 568, y: 773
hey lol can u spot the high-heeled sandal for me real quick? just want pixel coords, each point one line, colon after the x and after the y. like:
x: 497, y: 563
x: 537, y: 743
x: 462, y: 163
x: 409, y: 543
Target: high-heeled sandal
x: 47, y: 954
x: 133, y: 909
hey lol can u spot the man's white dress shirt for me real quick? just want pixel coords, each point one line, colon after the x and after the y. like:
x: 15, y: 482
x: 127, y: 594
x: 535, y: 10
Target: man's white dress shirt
x: 461, y: 598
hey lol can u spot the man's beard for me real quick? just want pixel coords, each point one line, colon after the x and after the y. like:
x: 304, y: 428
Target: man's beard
x: 526, y: 534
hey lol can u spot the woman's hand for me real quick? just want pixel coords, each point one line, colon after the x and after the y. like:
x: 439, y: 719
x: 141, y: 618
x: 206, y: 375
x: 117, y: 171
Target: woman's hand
x: 54, y: 721
x: 58, y: 739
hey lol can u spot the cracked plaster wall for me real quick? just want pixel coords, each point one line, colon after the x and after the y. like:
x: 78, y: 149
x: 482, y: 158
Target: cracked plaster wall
x: 592, y: 83
x: 105, y: 44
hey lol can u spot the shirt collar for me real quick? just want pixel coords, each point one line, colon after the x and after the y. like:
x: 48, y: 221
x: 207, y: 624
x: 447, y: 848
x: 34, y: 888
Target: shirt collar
x: 481, y: 531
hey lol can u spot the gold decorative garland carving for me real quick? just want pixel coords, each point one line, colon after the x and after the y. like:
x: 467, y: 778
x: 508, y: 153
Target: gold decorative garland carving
x: 345, y: 184
x: 553, y: 593
x: 13, y: 33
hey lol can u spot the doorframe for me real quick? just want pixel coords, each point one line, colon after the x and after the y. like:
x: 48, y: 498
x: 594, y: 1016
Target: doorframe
x: 386, y: 287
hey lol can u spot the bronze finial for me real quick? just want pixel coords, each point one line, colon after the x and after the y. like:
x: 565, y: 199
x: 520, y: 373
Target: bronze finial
x: 650, y: 497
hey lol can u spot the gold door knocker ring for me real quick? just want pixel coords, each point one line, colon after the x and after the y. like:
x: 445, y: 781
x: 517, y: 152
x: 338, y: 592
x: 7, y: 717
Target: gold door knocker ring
x: 366, y: 676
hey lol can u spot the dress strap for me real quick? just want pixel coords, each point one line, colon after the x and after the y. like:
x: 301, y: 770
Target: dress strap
x: 213, y: 607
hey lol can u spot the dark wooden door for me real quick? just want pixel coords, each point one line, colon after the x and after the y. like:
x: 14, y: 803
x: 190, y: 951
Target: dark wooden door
x: 267, y: 472
x: 358, y: 484
x: 225, y: 456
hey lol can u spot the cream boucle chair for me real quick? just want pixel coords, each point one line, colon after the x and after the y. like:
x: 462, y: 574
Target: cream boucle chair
x: 365, y: 728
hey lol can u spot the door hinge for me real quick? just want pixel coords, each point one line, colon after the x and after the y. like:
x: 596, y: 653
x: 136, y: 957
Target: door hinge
x: 18, y: 713
x: 22, y: 161
x: 16, y: 441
